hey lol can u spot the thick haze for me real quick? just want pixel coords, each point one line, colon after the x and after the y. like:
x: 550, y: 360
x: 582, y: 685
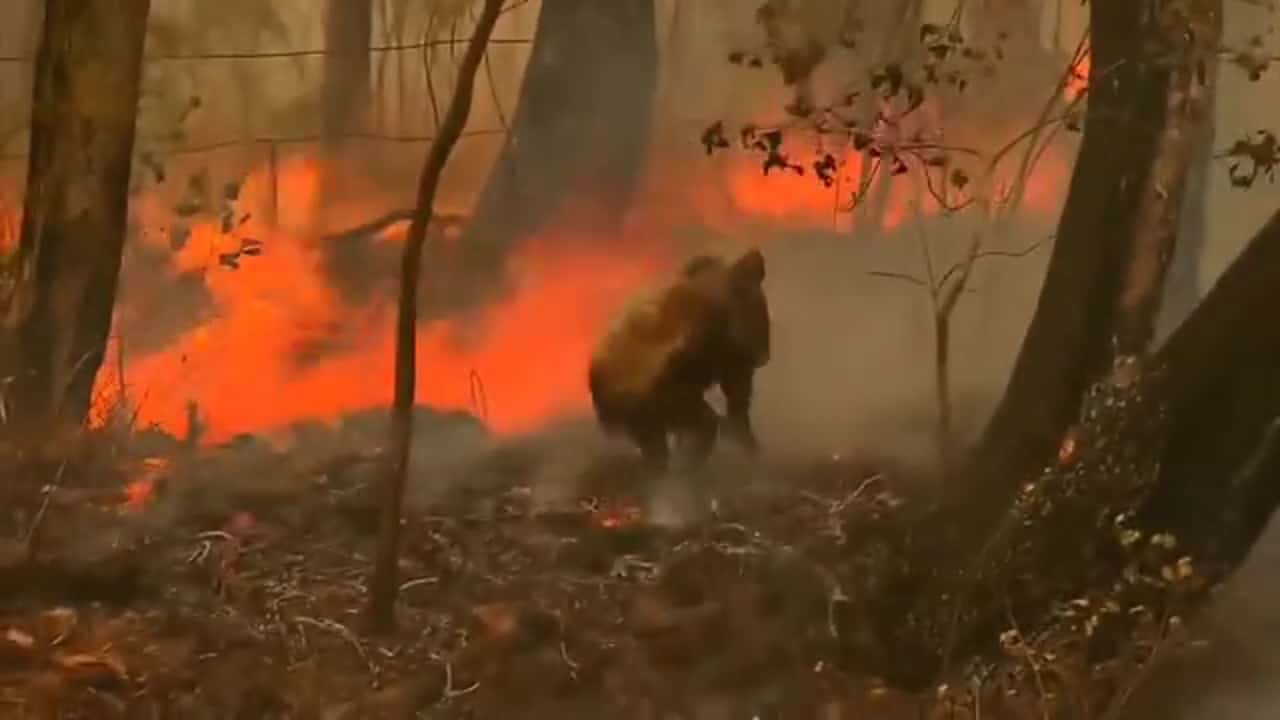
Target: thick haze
x: 852, y: 365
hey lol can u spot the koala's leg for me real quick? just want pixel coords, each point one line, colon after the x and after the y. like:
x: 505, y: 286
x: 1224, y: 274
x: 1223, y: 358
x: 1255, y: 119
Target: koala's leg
x: 737, y: 387
x: 651, y: 438
x: 701, y: 424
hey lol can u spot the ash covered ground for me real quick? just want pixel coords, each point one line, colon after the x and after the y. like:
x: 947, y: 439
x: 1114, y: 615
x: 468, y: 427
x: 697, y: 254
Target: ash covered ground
x: 542, y: 577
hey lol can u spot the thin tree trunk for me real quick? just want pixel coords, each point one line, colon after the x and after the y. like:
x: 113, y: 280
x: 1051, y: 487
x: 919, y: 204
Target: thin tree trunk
x: 383, y: 583
x: 577, y: 144
x: 85, y: 97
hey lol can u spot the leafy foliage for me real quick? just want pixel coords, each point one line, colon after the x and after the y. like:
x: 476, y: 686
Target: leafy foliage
x: 878, y: 114
x: 1252, y: 157
x: 170, y: 93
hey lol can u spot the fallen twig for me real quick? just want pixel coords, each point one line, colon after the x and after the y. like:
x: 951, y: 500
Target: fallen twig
x: 32, y: 542
x: 342, y: 631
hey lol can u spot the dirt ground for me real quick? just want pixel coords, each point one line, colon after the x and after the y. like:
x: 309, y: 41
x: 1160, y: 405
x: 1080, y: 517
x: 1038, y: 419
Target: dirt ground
x: 160, y: 582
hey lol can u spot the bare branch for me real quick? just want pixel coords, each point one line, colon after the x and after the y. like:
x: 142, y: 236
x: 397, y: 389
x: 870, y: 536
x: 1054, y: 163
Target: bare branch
x: 899, y: 276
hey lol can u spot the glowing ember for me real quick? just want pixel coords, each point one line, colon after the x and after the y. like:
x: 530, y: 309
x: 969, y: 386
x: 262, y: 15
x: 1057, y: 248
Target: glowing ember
x: 1078, y: 80
x: 241, y: 525
x: 617, y: 517
x: 1070, y: 447
x: 138, y: 494
x: 141, y: 490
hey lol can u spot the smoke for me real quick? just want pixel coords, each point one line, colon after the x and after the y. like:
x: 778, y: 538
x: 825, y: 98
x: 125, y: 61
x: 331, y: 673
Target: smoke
x: 852, y: 371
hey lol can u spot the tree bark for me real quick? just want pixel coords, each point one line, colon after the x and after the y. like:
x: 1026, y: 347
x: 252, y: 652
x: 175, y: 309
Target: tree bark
x: 1223, y: 398
x: 1190, y: 447
x: 1068, y: 343
x: 1183, y: 291
x: 577, y: 143
x: 1188, y: 444
x: 346, y: 90
x: 1118, y: 422
x: 84, y: 107
x: 1186, y: 114
x: 382, y: 583
x: 348, y: 32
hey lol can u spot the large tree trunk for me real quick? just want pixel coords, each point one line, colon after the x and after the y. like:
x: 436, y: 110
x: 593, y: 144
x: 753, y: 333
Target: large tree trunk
x: 577, y: 144
x: 1191, y: 448
x: 1183, y: 290
x: 348, y: 31
x: 1055, y: 535
x: 1223, y: 400
x: 1068, y: 343
x: 87, y: 74
x: 346, y: 91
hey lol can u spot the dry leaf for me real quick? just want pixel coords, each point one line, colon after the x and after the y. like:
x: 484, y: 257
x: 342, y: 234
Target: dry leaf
x: 57, y: 624
x: 16, y: 645
x: 92, y: 669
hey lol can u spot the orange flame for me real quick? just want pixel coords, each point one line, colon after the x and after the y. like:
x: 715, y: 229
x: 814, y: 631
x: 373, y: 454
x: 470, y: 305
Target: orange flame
x: 139, y: 492
x: 1078, y: 78
x: 238, y: 366
x: 620, y: 516
x: 529, y: 351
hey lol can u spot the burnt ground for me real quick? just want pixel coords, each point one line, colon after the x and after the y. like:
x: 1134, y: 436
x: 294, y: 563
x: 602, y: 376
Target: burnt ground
x: 576, y: 591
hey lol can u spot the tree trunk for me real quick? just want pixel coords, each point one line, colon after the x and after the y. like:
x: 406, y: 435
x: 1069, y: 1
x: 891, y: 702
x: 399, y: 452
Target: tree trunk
x: 1191, y: 448
x: 1053, y: 531
x: 1068, y: 343
x: 1183, y: 290
x: 346, y: 91
x: 1223, y: 399
x: 85, y: 98
x: 1188, y: 108
x: 382, y: 583
x: 348, y: 31
x: 577, y: 144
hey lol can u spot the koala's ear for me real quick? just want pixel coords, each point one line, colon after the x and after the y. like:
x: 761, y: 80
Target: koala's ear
x: 749, y: 269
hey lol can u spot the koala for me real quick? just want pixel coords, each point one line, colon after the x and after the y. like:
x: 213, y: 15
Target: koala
x: 650, y: 373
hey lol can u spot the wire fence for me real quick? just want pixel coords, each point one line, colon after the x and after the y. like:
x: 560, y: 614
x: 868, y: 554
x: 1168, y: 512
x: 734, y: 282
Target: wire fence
x: 274, y: 143
x: 293, y: 54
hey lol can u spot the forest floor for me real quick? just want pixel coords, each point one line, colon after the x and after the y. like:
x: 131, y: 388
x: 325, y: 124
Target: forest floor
x: 233, y: 588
